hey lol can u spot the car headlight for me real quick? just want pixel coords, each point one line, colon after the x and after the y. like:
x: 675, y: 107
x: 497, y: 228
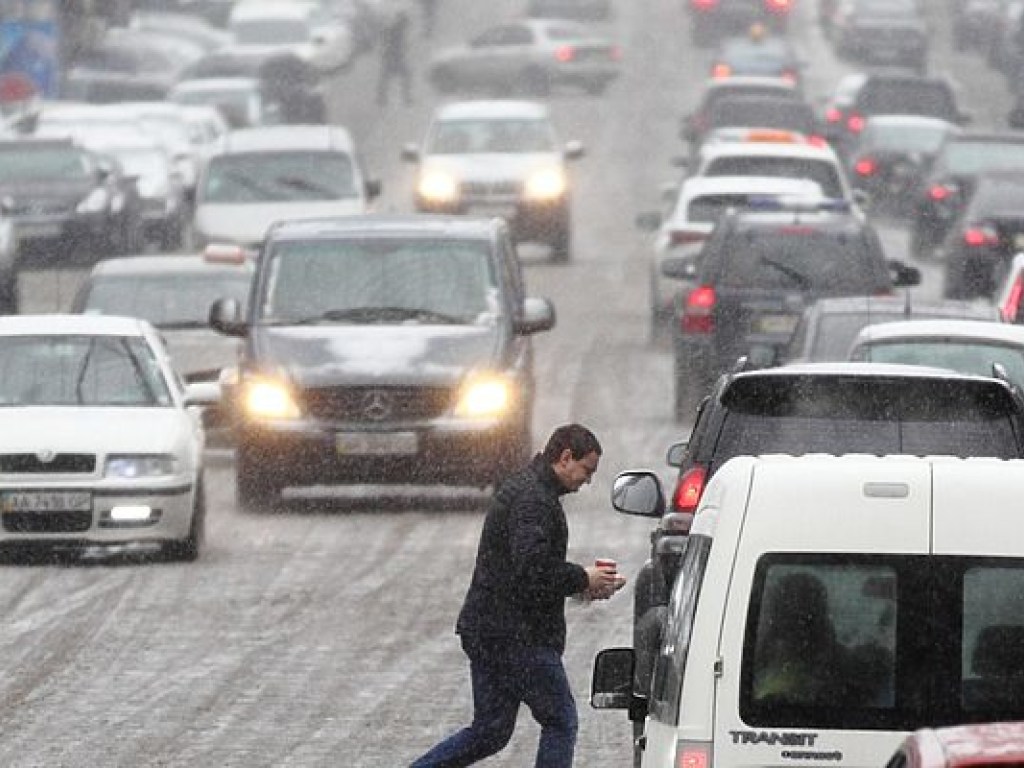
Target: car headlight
x: 546, y: 184
x: 95, y: 202
x: 128, y: 466
x: 438, y: 187
x: 269, y: 399
x: 485, y: 396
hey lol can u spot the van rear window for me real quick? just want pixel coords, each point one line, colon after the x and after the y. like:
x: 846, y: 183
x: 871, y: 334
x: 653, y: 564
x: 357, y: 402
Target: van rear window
x: 868, y: 642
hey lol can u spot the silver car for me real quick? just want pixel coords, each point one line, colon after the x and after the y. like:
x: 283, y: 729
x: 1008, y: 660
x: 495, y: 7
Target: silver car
x: 532, y: 54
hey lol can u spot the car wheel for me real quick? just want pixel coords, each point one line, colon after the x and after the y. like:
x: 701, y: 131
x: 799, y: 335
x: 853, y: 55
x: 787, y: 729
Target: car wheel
x: 9, y: 293
x: 257, y: 487
x: 561, y: 244
x: 187, y: 550
x: 536, y: 82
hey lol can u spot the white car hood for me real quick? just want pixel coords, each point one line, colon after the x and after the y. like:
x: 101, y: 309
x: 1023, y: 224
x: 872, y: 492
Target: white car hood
x: 247, y: 223
x: 488, y: 166
x: 93, y: 430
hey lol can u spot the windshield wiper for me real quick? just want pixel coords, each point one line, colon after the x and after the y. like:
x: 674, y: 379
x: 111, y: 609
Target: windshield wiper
x: 305, y: 185
x: 378, y: 315
x: 795, y: 274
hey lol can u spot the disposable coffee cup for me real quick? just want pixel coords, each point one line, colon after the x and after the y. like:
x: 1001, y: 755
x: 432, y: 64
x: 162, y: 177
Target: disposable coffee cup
x: 607, y: 564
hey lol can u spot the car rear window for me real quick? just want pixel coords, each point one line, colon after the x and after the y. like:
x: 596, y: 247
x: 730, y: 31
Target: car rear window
x: 821, y: 171
x: 909, y: 98
x: 973, y: 157
x: 975, y: 356
x: 761, y: 113
x: 877, y: 415
x: 798, y: 258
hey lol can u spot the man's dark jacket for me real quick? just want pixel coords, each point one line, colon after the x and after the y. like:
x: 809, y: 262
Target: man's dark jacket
x: 521, y: 579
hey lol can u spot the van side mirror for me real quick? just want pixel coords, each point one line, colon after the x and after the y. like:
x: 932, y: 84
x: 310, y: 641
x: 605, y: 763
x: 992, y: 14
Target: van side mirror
x: 573, y: 150
x: 638, y: 493
x: 226, y: 318
x: 411, y: 153
x: 903, y: 275
x: 537, y: 315
x: 612, y: 684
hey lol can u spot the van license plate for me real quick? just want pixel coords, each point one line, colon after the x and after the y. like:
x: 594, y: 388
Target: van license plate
x: 46, y: 501
x: 376, y: 443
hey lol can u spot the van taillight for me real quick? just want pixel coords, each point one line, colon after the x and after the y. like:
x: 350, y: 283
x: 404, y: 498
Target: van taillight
x: 866, y: 166
x: 698, y: 314
x: 693, y: 754
x: 689, y: 489
x: 777, y: 6
x: 703, y: 5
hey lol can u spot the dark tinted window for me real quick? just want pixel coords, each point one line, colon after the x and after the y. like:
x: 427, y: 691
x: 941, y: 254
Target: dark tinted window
x: 798, y: 258
x: 761, y: 113
x: 907, y: 98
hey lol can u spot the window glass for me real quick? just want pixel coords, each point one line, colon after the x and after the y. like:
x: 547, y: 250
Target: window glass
x: 824, y: 173
x: 458, y: 137
x: 992, y: 643
x: 57, y: 162
x: 973, y: 157
x: 975, y: 357
x: 280, y: 177
x: 167, y: 301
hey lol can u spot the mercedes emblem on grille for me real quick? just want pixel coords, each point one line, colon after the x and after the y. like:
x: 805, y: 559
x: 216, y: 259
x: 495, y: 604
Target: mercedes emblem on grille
x: 45, y: 456
x: 377, y: 405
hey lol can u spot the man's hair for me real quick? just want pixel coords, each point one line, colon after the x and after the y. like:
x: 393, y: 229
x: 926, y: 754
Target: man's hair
x: 578, y: 439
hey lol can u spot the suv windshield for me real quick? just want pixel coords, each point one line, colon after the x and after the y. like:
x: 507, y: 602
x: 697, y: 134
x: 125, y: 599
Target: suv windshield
x: 380, y: 281
x: 459, y: 137
x: 285, y: 176
x: 26, y: 162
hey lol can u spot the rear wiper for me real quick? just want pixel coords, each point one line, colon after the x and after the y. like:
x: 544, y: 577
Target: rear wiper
x: 797, y: 276
x: 379, y: 315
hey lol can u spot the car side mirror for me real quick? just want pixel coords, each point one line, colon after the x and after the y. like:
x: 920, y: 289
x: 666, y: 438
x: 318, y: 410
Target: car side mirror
x: 411, y: 153
x: 676, y: 454
x: 681, y: 267
x: 611, y: 686
x: 538, y: 314
x: 226, y: 317
x: 373, y: 188
x: 903, y: 275
x: 648, y: 221
x: 638, y: 493
x: 202, y: 393
x: 574, y: 150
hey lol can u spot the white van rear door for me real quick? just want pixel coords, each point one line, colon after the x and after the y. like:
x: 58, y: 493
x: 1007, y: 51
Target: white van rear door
x: 978, y: 507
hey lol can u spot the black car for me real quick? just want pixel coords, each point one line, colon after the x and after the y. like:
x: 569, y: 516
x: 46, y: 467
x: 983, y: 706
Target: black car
x: 58, y: 191
x: 882, y: 32
x: 891, y: 156
x: 750, y: 283
x: 383, y: 350
x: 981, y: 244
x: 950, y: 181
x: 710, y: 19
x: 831, y: 408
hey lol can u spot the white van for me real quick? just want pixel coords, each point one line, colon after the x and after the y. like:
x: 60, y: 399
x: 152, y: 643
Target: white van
x: 828, y: 606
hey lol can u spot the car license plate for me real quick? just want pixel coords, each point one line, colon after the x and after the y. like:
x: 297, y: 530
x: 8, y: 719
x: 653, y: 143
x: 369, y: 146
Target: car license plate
x: 46, y: 501
x: 376, y: 443
x: 776, y: 324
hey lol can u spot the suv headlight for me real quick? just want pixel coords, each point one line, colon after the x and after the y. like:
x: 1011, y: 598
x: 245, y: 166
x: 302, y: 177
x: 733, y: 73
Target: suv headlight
x: 485, y: 395
x: 438, y: 187
x: 95, y: 202
x: 268, y: 399
x: 130, y: 466
x: 546, y: 184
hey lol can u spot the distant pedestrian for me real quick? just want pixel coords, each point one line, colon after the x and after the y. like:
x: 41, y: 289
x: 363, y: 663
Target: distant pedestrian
x: 512, y: 623
x: 429, y: 8
x: 394, y: 57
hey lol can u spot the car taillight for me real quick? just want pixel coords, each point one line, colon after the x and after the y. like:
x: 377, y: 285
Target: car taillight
x: 866, y: 166
x: 789, y: 75
x: 615, y: 53
x: 703, y: 5
x: 833, y: 115
x: 698, y: 314
x: 693, y: 754
x: 689, y: 489
x: 565, y: 53
x: 855, y: 123
x: 777, y: 6
x: 1011, y: 306
x: 980, y: 236
x: 939, y: 192
x: 817, y: 141
x: 686, y: 236
x: 721, y: 71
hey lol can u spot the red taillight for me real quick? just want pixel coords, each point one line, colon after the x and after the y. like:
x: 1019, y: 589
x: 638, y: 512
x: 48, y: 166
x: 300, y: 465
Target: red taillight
x: 565, y: 53
x: 833, y: 115
x: 980, y: 236
x: 698, y: 315
x: 939, y: 192
x: 686, y: 236
x: 777, y: 6
x: 721, y: 71
x: 693, y: 754
x: 855, y: 123
x: 817, y: 141
x: 615, y: 54
x: 789, y: 75
x: 866, y: 166
x: 1012, y: 305
x: 703, y: 5
x: 689, y: 489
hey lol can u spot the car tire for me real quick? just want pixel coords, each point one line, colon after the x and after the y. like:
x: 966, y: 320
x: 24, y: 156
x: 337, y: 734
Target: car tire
x: 257, y: 487
x: 187, y: 550
x: 561, y: 244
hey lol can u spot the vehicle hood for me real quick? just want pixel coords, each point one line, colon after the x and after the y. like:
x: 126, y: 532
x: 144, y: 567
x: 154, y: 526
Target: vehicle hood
x: 374, y: 355
x: 93, y: 430
x: 199, y: 355
x: 247, y: 223
x: 492, y: 166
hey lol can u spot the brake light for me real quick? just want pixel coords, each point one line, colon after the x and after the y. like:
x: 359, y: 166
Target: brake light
x: 698, y: 314
x: 217, y: 253
x: 833, y: 115
x: 980, y: 236
x: 939, y: 192
x: 686, y: 236
x: 789, y: 75
x: 866, y: 166
x: 689, y: 489
x: 615, y: 53
x: 703, y: 5
x: 693, y: 754
x: 777, y: 6
x: 855, y: 123
x: 1012, y: 305
x: 817, y: 141
x: 565, y: 53
x: 721, y: 71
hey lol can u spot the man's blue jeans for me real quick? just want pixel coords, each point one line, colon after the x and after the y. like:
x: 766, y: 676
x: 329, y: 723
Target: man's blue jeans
x: 502, y: 679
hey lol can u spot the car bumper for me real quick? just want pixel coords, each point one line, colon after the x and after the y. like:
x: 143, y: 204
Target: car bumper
x: 526, y: 220
x: 113, y: 515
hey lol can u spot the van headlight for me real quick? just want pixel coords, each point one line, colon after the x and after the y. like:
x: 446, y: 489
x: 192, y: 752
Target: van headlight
x: 485, y: 396
x: 545, y: 184
x: 438, y: 187
x: 130, y: 466
x: 269, y: 399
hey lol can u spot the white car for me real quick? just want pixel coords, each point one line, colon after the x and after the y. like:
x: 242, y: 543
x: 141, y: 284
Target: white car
x: 101, y: 443
x: 297, y: 26
x: 498, y: 158
x: 967, y: 346
x: 258, y: 176
x: 700, y: 202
